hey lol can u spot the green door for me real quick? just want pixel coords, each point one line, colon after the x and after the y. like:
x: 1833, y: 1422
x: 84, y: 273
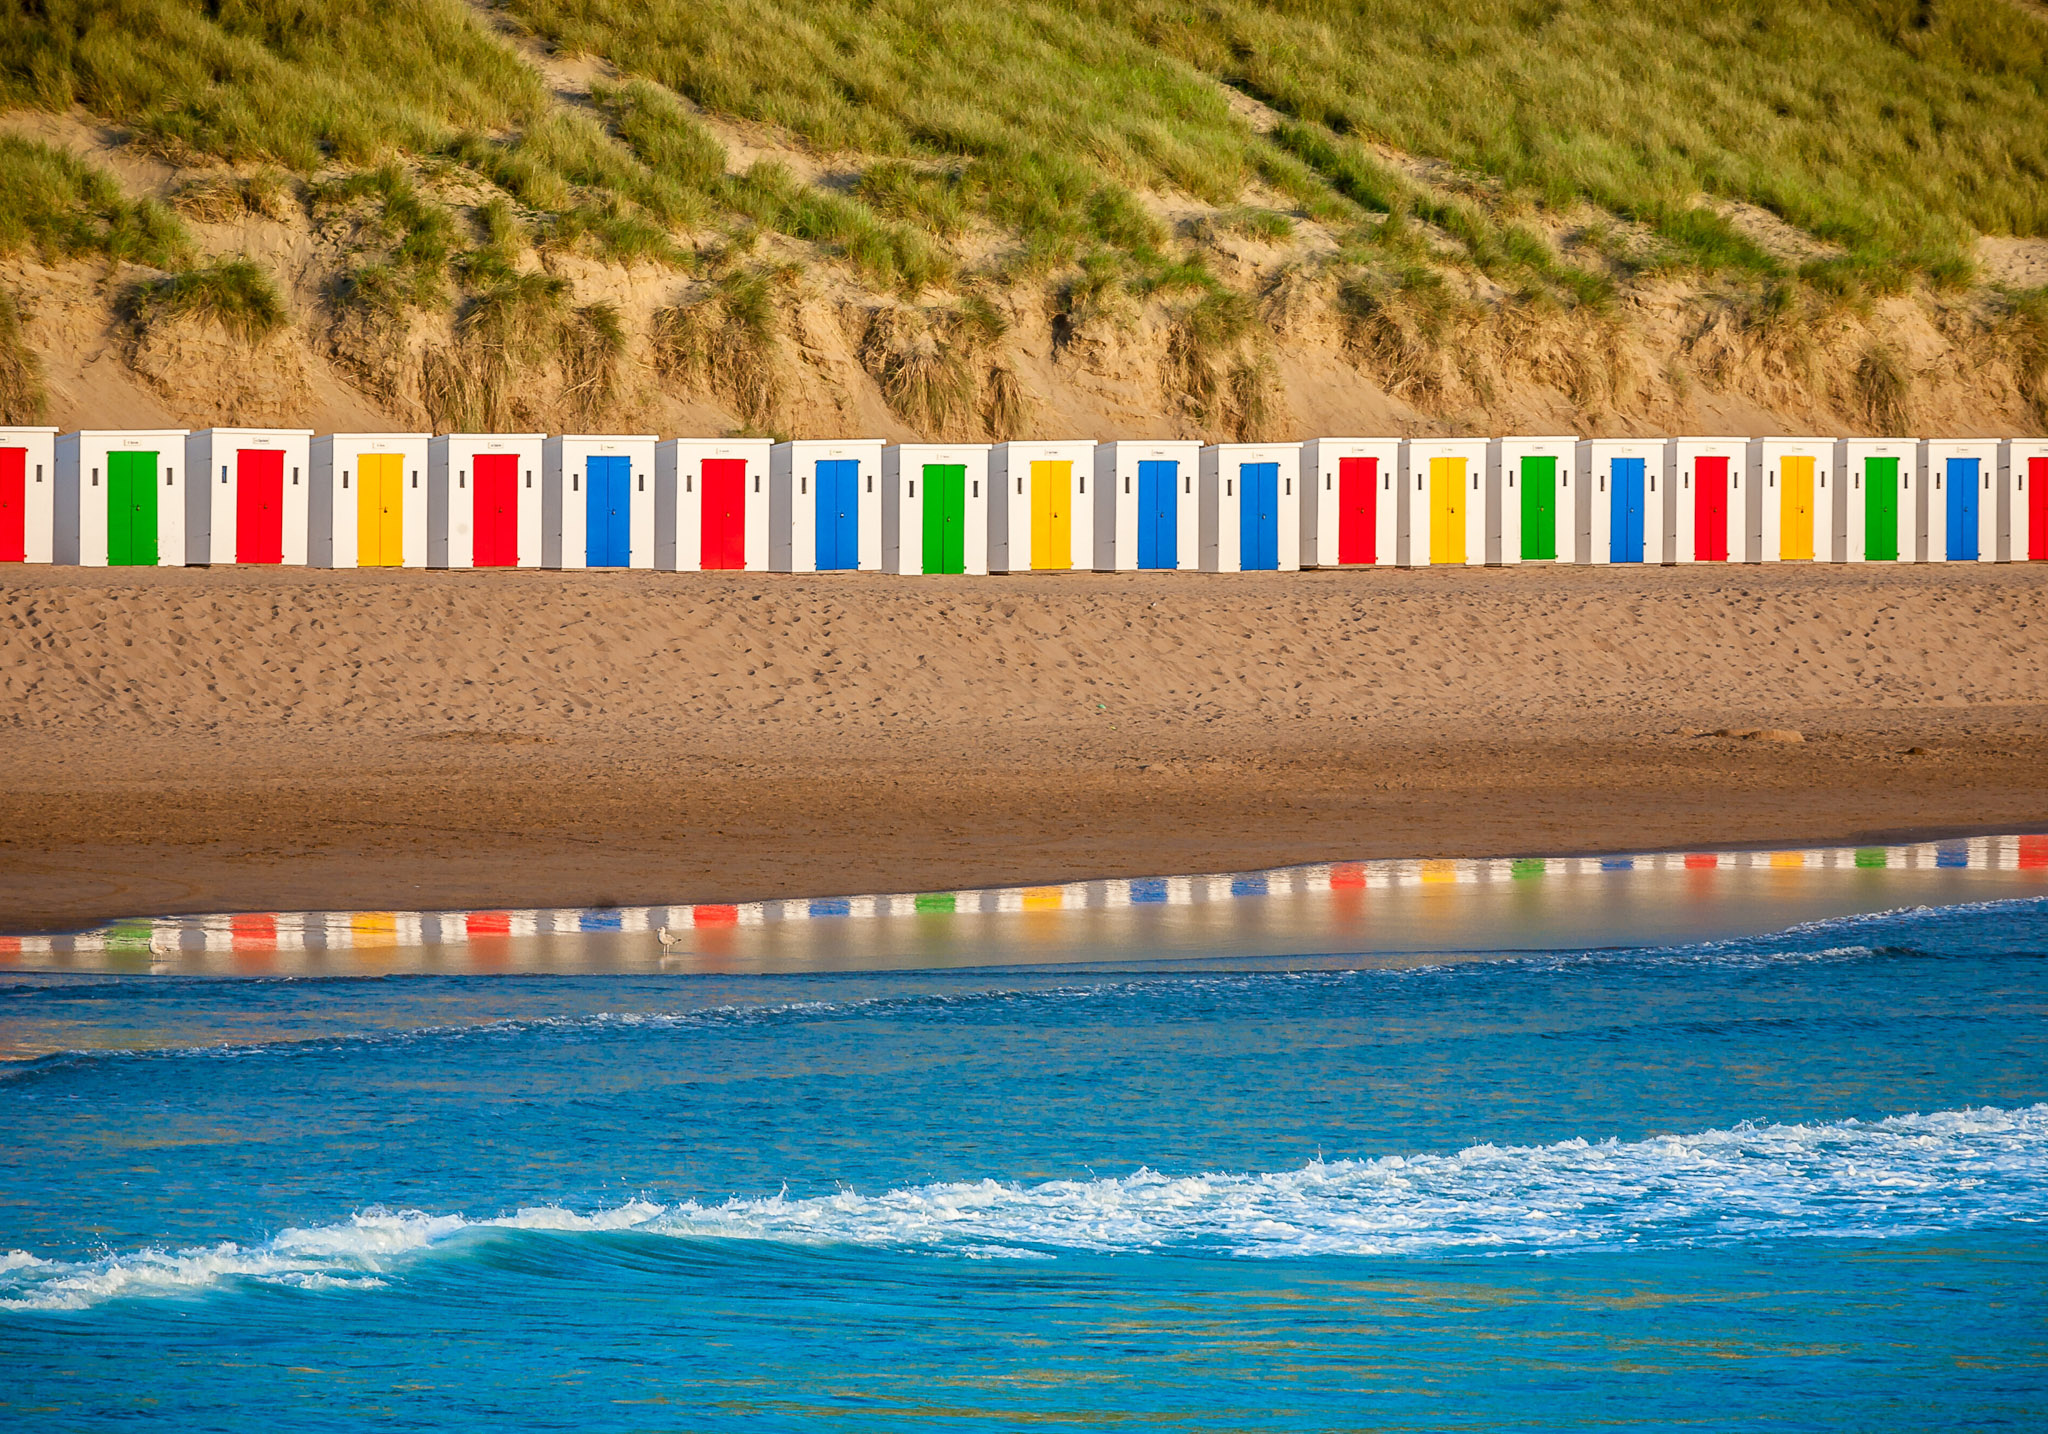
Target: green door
x: 1539, y: 508
x: 131, y: 510
x: 945, y: 518
x: 1881, y: 509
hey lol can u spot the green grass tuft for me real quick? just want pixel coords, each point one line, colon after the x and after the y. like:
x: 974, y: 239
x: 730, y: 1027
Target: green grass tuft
x: 236, y: 294
x: 60, y: 207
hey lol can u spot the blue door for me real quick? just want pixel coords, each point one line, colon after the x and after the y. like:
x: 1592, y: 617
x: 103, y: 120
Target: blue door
x: 1962, y: 510
x: 1625, y: 511
x: 608, y: 512
x: 1158, y: 518
x: 838, y: 514
x: 1258, y: 517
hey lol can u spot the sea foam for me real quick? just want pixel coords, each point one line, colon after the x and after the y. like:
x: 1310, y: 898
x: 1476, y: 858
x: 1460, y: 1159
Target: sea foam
x: 1904, y: 1175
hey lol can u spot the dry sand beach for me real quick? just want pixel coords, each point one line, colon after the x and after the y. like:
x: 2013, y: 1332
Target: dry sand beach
x: 242, y: 739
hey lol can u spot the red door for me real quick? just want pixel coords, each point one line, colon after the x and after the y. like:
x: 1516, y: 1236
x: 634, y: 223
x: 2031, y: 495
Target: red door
x: 259, y: 505
x: 725, y: 514
x: 497, y: 510
x: 1357, y: 534
x: 2037, y: 509
x: 1710, y: 510
x: 13, y: 505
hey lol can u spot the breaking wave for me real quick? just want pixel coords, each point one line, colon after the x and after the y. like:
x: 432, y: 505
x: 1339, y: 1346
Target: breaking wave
x: 1899, y: 1176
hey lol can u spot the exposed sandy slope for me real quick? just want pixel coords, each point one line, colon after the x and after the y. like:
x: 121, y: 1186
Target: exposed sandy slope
x: 238, y: 739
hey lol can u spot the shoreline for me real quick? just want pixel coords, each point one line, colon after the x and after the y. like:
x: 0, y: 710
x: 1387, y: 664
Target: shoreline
x: 261, y: 741
x: 1895, y: 839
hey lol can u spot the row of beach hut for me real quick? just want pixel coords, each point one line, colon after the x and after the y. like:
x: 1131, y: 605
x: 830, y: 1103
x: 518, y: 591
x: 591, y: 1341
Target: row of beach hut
x: 123, y: 497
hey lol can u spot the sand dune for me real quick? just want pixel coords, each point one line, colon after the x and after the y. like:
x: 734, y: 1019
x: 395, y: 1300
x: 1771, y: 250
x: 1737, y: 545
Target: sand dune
x: 233, y: 738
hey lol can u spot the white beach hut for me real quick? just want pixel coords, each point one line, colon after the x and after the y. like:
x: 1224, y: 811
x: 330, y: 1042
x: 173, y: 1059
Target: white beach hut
x: 1350, y: 502
x: 1041, y: 516
x: 120, y: 498
x: 1959, y: 498
x: 249, y: 497
x: 28, y: 495
x: 597, y: 501
x: 368, y: 501
x: 1704, y: 476
x: 1443, y: 502
x: 935, y: 508
x: 2023, y: 492
x: 825, y: 505
x: 1791, y: 508
x: 1623, y: 495
x: 1250, y: 508
x: 1529, y: 493
x: 711, y: 505
x: 1145, y: 510
x: 1878, y: 479
x: 484, y: 500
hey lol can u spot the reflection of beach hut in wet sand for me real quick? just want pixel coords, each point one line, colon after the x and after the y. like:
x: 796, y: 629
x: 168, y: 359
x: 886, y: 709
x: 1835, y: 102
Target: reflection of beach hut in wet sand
x: 28, y: 495
x: 2023, y: 489
x: 1443, y: 502
x: 1705, y: 479
x: 249, y: 497
x: 1145, y: 510
x: 369, y: 501
x: 484, y: 500
x: 935, y: 508
x: 1350, y: 502
x: 825, y: 506
x: 1250, y: 517
x: 121, y: 498
x: 1041, y: 516
x: 597, y: 501
x: 1529, y: 488
x: 1958, y: 493
x: 1791, y: 509
x: 1622, y: 492
x: 711, y: 505
x: 1878, y: 481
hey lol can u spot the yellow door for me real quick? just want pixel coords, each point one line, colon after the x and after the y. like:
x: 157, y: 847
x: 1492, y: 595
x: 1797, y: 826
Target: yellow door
x: 1052, y: 519
x: 380, y: 511
x: 1795, y: 507
x: 1447, y: 510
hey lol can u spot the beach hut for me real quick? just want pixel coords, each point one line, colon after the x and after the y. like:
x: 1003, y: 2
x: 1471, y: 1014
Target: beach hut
x: 825, y: 505
x: 1792, y: 515
x: 484, y: 500
x: 1704, y: 479
x: 28, y: 495
x: 248, y: 498
x: 597, y: 501
x: 1041, y: 517
x: 1622, y: 497
x: 711, y: 504
x: 1145, y: 510
x: 369, y: 500
x: 1878, y: 478
x: 1250, y: 508
x: 1443, y: 502
x: 1350, y: 501
x: 121, y: 498
x: 2023, y: 490
x: 935, y: 508
x: 1959, y: 497
x: 1529, y: 493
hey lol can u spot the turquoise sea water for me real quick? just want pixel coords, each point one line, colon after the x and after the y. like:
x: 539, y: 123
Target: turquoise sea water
x: 1791, y: 1181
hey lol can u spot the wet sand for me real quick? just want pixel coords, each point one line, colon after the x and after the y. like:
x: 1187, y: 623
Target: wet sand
x: 178, y: 741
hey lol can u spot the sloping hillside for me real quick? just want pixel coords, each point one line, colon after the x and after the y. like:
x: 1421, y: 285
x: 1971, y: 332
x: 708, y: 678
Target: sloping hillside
x: 995, y: 219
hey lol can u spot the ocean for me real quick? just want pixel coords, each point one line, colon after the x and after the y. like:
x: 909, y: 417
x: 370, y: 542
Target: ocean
x: 1794, y: 1179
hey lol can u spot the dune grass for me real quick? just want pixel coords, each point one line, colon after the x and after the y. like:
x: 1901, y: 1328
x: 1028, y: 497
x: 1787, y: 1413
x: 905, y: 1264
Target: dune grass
x: 235, y: 294
x: 1894, y: 130
x: 59, y: 207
